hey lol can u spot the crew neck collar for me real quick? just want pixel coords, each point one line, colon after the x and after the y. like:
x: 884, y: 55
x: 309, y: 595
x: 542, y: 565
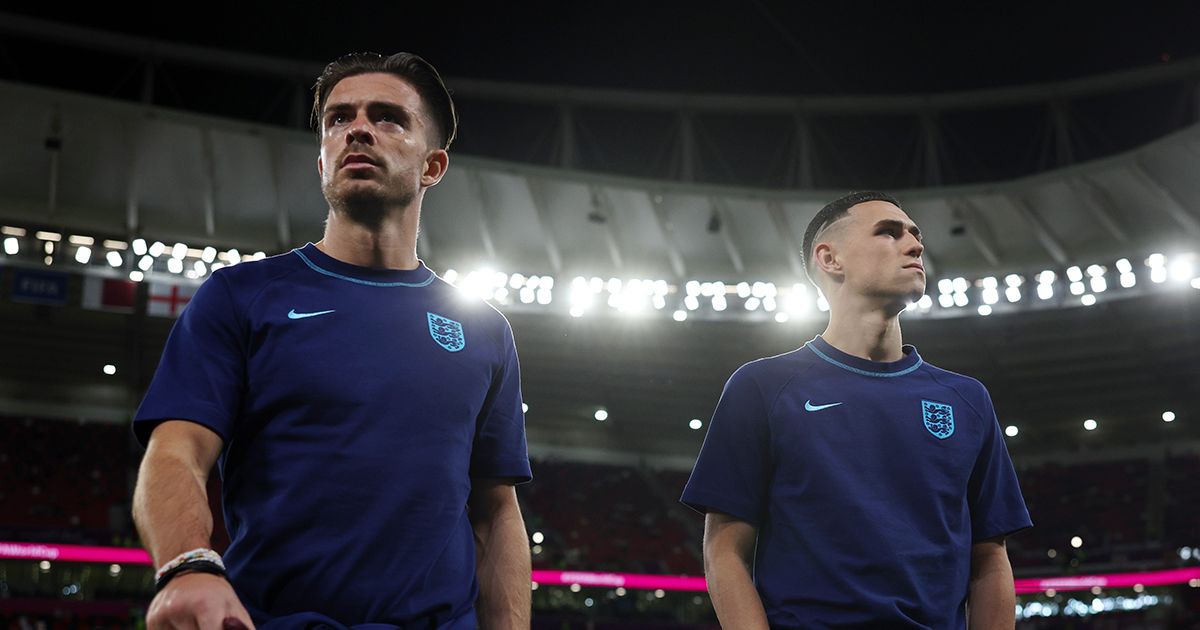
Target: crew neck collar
x: 325, y: 264
x: 911, y: 360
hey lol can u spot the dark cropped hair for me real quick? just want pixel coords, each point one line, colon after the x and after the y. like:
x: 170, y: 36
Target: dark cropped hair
x: 412, y: 68
x: 833, y: 211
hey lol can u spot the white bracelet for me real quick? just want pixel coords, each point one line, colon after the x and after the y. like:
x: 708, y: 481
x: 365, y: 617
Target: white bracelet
x: 195, y: 555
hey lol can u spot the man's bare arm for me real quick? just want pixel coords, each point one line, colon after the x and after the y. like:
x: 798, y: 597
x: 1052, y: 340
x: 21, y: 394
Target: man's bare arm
x: 992, y: 602
x: 728, y: 556
x: 502, y: 556
x: 170, y: 509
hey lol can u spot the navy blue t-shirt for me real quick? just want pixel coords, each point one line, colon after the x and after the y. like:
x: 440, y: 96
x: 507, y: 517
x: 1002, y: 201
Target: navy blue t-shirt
x: 356, y: 406
x: 868, y: 483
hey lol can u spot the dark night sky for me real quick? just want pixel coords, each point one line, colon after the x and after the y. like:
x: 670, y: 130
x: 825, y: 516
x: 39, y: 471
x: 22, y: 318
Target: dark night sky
x: 755, y: 46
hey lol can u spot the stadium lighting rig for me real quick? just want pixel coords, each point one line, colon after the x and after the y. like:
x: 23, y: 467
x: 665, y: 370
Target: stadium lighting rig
x: 585, y: 296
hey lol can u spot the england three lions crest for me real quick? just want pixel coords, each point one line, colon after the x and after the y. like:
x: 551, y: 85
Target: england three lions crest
x: 939, y: 418
x: 446, y: 332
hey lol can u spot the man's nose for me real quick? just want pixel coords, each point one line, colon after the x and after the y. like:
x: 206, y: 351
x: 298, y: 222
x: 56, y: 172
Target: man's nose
x: 359, y: 131
x: 917, y: 248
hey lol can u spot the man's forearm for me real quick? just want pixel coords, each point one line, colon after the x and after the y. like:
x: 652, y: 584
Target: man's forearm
x: 734, y: 596
x: 170, y: 506
x: 992, y: 600
x: 502, y: 552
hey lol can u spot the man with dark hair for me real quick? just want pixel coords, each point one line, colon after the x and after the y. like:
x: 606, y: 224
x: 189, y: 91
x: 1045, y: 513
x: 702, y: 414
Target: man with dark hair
x: 365, y: 418
x: 849, y: 483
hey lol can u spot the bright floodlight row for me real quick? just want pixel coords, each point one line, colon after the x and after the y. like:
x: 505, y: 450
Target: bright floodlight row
x: 1089, y: 424
x: 587, y: 294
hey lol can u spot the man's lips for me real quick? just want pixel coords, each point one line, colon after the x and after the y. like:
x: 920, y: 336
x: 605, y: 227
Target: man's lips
x: 917, y: 266
x: 358, y: 161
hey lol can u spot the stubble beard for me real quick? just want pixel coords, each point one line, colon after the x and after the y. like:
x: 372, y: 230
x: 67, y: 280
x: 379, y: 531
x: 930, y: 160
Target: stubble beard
x: 366, y: 206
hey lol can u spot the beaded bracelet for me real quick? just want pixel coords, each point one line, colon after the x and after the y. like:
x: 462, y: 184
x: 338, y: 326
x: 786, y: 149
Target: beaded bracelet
x: 194, y: 555
x: 195, y: 566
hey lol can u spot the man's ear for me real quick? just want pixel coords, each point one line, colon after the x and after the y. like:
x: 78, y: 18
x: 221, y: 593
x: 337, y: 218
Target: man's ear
x: 826, y: 259
x: 436, y: 164
x: 320, y: 166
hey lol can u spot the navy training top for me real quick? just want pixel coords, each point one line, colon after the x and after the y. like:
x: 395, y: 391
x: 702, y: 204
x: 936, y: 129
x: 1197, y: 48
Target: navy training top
x: 355, y: 405
x: 868, y: 483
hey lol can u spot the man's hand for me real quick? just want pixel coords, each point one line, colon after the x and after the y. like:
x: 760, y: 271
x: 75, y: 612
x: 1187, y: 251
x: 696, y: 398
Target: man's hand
x: 197, y: 601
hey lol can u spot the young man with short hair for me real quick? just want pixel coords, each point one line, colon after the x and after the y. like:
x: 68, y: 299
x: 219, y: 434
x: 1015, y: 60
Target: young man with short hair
x: 849, y: 483
x: 365, y: 417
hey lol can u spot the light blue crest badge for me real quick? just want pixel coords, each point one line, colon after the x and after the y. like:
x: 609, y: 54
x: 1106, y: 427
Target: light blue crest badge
x: 939, y: 418
x: 446, y: 332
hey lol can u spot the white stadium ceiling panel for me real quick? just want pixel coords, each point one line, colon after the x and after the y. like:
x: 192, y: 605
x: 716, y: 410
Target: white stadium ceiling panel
x: 123, y: 169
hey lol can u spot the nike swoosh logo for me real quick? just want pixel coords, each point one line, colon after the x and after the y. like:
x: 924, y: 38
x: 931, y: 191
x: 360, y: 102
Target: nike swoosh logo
x: 808, y: 406
x: 292, y: 314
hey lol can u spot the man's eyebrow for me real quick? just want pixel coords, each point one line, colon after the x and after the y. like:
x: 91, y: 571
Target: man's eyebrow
x: 334, y: 107
x: 895, y: 223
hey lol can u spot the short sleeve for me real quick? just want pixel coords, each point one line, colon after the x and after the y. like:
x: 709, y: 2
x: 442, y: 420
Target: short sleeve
x: 499, y: 450
x: 993, y: 494
x: 732, y: 474
x: 201, y: 376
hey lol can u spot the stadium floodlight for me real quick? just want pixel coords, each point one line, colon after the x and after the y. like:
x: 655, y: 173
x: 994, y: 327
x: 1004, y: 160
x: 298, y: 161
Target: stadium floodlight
x: 695, y: 424
x: 961, y: 285
x: 1076, y: 542
x: 1090, y: 424
x: 158, y: 248
x: 538, y: 538
x: 114, y: 569
x: 781, y: 317
x: 527, y: 295
x: 516, y: 281
x: 1088, y: 300
x: 1156, y: 260
x: 946, y: 300
x: 44, y: 565
x: 960, y: 299
x: 752, y: 304
x: 1013, y: 280
x: 544, y: 296
x: 768, y: 304
x: 199, y: 268
x: 575, y: 588
x: 614, y: 285
x: 52, y: 237
x: 79, y: 239
x: 743, y: 290
x: 691, y: 302
x: 1045, y: 291
x: 524, y: 407
x: 991, y: 295
x: 1011, y: 430
x: 1099, y: 285
x: 179, y: 250
x: 11, y: 246
x: 601, y: 414
x: 679, y: 315
x: 822, y: 304
x: 1196, y: 283
x: 209, y: 254
x: 620, y: 591
x: 718, y: 302
x: 659, y: 302
x: 114, y: 259
x: 137, y: 276
x: 692, y: 287
x: 1124, y: 266
x: 501, y: 295
x: 174, y: 265
x: 1158, y: 275
x: 925, y: 302
x: 1047, y: 276
x: 110, y: 369
x: 1077, y: 288
x: 945, y: 285
x: 145, y: 263
x: 985, y: 310
x: 1168, y: 416
x: 83, y: 255
x: 9, y: 230
x: 232, y: 256
x: 576, y: 311
x: 1128, y: 280
x: 49, y: 247
x: 139, y: 247
x: 1074, y: 274
x: 1181, y: 269
x: 1095, y: 270
x: 989, y: 282
x: 1012, y: 294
